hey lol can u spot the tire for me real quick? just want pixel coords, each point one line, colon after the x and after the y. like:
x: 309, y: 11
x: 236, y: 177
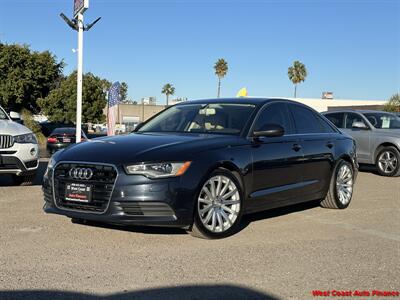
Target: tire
x: 388, y: 161
x: 24, y: 180
x: 221, y: 217
x: 341, y: 187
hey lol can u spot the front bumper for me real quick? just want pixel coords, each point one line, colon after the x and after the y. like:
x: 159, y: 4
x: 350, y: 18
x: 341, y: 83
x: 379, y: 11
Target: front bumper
x: 21, y: 159
x: 134, y: 200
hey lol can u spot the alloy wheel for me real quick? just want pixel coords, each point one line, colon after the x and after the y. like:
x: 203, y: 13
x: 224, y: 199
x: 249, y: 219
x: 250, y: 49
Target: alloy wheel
x: 387, y: 162
x: 344, y: 184
x: 218, y: 204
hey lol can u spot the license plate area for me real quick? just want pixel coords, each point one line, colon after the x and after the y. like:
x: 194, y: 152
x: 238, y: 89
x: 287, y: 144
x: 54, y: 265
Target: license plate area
x: 66, y: 140
x: 78, y: 192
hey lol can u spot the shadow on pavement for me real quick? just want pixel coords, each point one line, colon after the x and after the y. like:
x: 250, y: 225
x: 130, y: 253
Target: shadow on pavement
x: 277, y: 212
x: 246, y: 220
x: 223, y: 292
x: 368, y: 169
x: 6, y: 180
x: 134, y: 228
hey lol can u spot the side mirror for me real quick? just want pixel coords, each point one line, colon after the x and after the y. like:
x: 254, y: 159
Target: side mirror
x: 359, y: 125
x: 270, y: 130
x: 15, y: 116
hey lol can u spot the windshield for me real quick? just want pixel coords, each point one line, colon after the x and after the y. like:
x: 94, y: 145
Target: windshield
x: 222, y: 118
x: 3, y: 115
x: 383, y: 120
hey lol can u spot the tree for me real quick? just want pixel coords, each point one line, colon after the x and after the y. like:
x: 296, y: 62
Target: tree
x: 297, y: 74
x: 221, y: 68
x: 60, y: 104
x: 123, y: 92
x: 168, y: 89
x: 33, y: 125
x: 393, y: 104
x: 26, y: 75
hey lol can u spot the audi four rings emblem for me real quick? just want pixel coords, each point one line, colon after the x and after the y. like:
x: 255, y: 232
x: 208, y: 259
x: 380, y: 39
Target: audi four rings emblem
x: 81, y: 173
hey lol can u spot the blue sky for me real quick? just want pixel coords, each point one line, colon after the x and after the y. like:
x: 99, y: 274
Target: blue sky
x: 349, y: 47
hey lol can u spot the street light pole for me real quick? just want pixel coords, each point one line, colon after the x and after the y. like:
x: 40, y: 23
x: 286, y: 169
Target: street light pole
x: 79, y: 80
x: 76, y: 23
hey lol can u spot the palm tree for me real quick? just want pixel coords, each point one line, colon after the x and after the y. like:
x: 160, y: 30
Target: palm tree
x: 297, y: 74
x: 168, y: 89
x: 221, y: 68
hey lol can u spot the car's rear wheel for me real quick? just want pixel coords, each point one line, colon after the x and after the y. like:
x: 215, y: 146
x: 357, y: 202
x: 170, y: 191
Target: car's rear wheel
x: 388, y: 162
x: 341, y: 187
x: 218, y: 207
x: 23, y: 180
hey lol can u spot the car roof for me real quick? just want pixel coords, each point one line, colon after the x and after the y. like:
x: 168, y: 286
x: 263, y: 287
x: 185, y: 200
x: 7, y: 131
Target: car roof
x: 239, y: 100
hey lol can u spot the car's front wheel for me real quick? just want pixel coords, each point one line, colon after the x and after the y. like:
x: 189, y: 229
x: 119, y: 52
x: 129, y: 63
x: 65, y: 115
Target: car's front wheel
x: 218, y: 207
x: 341, y: 186
x: 388, y: 162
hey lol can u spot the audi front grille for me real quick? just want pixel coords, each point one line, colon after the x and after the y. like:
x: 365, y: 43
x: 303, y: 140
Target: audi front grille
x: 102, y: 182
x: 6, y: 141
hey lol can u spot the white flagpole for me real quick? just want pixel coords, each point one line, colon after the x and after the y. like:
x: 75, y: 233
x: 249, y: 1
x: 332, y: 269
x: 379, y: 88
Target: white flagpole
x: 79, y: 80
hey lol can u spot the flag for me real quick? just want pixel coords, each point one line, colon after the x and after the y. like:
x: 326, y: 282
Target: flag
x: 113, y: 100
x: 242, y: 92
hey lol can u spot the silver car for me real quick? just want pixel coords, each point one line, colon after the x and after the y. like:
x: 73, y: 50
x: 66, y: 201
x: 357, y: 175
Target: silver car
x: 377, y: 136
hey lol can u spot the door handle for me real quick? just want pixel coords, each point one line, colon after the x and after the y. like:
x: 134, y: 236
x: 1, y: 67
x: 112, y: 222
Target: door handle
x: 329, y: 145
x: 296, y: 147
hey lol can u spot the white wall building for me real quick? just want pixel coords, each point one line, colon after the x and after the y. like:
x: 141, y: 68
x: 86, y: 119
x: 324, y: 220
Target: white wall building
x: 321, y: 105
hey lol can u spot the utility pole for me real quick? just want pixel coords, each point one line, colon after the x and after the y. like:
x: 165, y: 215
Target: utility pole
x: 76, y: 23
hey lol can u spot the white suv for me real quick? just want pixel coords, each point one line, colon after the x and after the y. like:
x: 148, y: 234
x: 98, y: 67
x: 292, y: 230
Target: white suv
x: 19, y: 151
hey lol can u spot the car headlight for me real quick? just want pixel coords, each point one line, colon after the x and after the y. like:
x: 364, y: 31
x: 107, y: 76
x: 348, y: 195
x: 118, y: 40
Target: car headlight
x: 51, y: 164
x: 158, y: 170
x: 28, y: 138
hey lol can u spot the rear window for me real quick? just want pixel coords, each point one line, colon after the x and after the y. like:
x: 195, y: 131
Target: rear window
x: 307, y: 121
x: 64, y: 130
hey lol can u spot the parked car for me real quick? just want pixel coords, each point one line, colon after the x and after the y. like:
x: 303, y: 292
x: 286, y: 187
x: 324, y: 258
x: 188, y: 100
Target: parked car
x: 63, y: 137
x: 377, y: 136
x: 19, y: 152
x: 201, y: 165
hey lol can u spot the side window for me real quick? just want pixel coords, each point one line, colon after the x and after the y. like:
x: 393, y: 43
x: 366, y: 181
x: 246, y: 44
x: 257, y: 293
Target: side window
x: 336, y: 118
x: 276, y: 113
x: 351, y: 118
x: 305, y: 120
x: 326, y: 127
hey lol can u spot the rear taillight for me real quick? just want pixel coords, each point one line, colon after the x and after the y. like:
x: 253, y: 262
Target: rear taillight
x: 52, y: 140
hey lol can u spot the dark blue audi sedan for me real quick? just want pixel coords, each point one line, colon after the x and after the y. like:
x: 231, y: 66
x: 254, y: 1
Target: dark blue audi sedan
x: 201, y: 165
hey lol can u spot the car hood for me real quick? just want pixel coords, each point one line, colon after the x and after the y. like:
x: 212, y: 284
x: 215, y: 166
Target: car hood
x: 145, y: 147
x: 12, y: 128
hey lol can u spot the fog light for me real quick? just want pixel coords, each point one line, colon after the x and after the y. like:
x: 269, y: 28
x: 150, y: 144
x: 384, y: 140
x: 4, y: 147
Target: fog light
x: 33, y: 152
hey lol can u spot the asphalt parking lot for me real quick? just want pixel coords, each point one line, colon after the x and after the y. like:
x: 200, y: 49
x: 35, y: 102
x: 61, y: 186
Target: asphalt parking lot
x: 279, y: 254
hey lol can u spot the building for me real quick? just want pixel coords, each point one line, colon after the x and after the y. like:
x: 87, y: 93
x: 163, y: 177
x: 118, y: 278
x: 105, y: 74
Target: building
x: 332, y: 104
x: 131, y: 114
x: 149, y: 101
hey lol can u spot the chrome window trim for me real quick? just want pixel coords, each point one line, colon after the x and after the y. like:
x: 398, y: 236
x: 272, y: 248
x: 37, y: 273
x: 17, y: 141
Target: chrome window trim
x: 89, y: 163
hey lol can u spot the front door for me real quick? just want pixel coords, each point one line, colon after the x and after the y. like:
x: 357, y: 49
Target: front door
x: 361, y: 136
x: 276, y: 160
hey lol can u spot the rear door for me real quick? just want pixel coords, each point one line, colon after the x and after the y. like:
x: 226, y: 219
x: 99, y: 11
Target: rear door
x: 317, y: 139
